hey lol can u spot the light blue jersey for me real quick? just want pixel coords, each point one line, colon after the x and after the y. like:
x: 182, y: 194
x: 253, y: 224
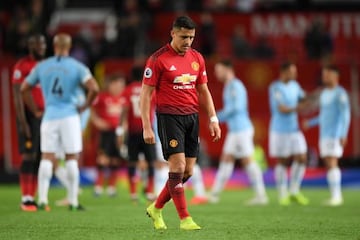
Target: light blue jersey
x: 80, y: 100
x: 59, y: 78
x: 288, y: 94
x: 235, y: 112
x: 334, y: 117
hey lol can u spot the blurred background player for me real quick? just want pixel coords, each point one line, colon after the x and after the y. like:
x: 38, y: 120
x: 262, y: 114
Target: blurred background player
x: 59, y: 78
x: 286, y: 141
x: 105, y: 116
x: 239, y: 140
x: 28, y: 124
x: 60, y: 169
x: 131, y: 126
x: 334, y: 122
x: 177, y: 73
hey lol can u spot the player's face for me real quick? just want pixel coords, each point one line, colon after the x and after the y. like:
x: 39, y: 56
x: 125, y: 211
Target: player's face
x: 292, y: 72
x: 116, y: 86
x: 182, y: 39
x: 329, y: 78
x: 220, y: 72
x: 38, y: 47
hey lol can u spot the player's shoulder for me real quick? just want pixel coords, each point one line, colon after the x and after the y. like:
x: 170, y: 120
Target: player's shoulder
x: 274, y: 84
x: 237, y: 83
x: 160, y: 52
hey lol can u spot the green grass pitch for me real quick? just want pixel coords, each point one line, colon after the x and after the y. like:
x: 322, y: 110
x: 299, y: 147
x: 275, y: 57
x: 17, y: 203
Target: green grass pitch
x: 117, y: 218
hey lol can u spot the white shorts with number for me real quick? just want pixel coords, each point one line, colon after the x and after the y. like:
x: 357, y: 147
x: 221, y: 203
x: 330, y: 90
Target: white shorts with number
x: 331, y: 147
x: 284, y: 145
x: 239, y: 144
x: 62, y: 134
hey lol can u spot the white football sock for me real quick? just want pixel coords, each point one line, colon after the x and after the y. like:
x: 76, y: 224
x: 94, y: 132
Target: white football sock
x: 297, y: 172
x: 222, y: 176
x: 73, y: 174
x: 61, y: 175
x: 197, y: 182
x: 281, y: 179
x: 255, y: 175
x: 161, y: 175
x: 44, y: 177
x: 334, y: 181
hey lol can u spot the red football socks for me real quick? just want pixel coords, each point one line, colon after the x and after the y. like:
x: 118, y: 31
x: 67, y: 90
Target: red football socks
x: 150, y: 185
x: 113, y: 177
x: 176, y: 189
x: 25, y: 184
x: 163, y: 197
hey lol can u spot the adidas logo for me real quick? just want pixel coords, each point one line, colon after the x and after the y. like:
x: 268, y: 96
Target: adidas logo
x: 180, y: 185
x: 172, y: 68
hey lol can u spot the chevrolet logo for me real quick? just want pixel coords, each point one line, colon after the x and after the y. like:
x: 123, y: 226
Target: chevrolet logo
x: 185, y: 79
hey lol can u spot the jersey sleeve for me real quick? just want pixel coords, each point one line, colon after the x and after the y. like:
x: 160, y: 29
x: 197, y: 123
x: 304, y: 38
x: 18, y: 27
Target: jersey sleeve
x: 84, y: 73
x: 302, y: 93
x: 151, y: 72
x: 345, y: 114
x: 33, y: 77
x: 202, y: 78
x: 17, y: 76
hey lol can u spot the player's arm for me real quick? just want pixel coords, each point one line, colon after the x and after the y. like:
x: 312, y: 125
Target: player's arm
x: 310, y: 123
x: 232, y: 103
x: 121, y: 130
x: 206, y: 102
x: 345, y: 117
x: 20, y: 110
x: 25, y: 90
x: 92, y: 90
x: 98, y: 122
x: 145, y: 108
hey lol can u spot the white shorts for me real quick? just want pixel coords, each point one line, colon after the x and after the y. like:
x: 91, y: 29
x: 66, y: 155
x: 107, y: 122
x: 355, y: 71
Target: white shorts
x: 284, y: 145
x: 331, y: 147
x: 239, y: 144
x: 62, y: 134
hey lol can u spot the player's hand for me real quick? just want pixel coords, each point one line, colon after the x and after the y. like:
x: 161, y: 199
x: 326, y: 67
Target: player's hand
x: 305, y: 125
x: 102, y: 125
x: 215, y: 131
x: 343, y: 142
x: 82, y: 108
x: 120, y: 141
x: 149, y: 136
x: 285, y: 109
x: 39, y: 114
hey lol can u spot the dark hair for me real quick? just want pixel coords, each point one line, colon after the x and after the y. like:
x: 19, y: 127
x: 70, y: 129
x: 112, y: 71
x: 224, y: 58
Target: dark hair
x: 115, y: 77
x: 286, y: 65
x: 184, y: 22
x: 332, y: 68
x: 227, y: 63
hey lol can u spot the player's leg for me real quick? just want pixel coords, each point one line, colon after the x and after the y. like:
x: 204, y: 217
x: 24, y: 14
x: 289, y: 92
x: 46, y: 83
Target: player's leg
x: 198, y: 187
x: 133, y: 152
x: 331, y: 151
x: 280, y: 149
x: 161, y: 170
x: 255, y: 175
x: 102, y: 161
x: 50, y: 140
x: 226, y: 167
x: 298, y: 168
x: 150, y: 156
x: 223, y: 174
x: 71, y: 139
x: 114, y: 156
x: 245, y: 150
x: 334, y: 181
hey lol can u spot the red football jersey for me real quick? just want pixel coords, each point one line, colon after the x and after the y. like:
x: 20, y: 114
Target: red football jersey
x: 175, y: 78
x: 132, y: 96
x: 109, y: 107
x: 21, y: 69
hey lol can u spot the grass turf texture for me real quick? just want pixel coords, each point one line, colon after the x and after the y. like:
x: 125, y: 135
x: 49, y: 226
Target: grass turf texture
x: 117, y: 218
